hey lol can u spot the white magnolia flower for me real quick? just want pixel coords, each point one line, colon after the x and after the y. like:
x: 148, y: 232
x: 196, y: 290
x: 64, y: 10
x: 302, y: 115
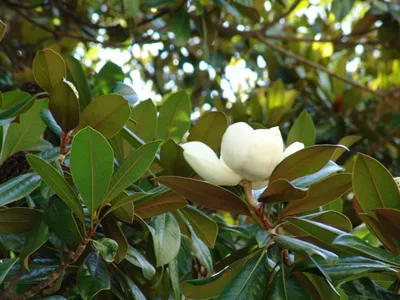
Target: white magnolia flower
x: 246, y: 154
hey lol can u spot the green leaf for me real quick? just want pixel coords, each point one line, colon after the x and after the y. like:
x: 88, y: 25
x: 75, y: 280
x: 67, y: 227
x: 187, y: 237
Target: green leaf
x: 287, y: 287
x: 209, y: 129
x: 36, y: 238
x: 303, y: 130
x: 131, y: 169
x: 92, y: 164
x: 76, y: 75
x: 49, y: 120
x: 211, y: 287
x: 373, y: 185
x: 359, y: 247
x: 320, y: 231
x: 205, y: 194
x: 125, y: 213
x: 18, y: 219
x: 107, y: 114
x: 125, y: 91
x: 122, y: 199
x: 92, y: 277
x: 18, y: 188
x: 365, y: 288
x: 174, y: 117
x: 341, y: 8
x: 389, y: 220
x: 139, y: 260
x: 113, y: 231
x: 347, y: 141
x: 145, y: 115
x: 173, y: 161
x: 345, y: 268
x: 282, y: 190
x: 156, y: 3
x: 338, y: 86
x: 107, y: 77
x: 249, y: 283
x: 180, y: 26
x: 166, y: 238
x: 159, y: 204
x: 56, y: 182
x: 331, y: 218
x: 64, y: 105
x: 132, y: 288
x: 297, y: 245
x: 48, y: 69
x: 174, y: 278
x: 278, y: 102
x: 229, y: 8
x: 204, y: 227
x: 107, y: 248
x: 5, y: 266
x: 131, y: 8
x: 27, y: 133
x: 58, y: 217
x: 321, y: 193
x: 2, y: 32
x: 19, y: 103
x: 329, y: 169
x: 304, y: 162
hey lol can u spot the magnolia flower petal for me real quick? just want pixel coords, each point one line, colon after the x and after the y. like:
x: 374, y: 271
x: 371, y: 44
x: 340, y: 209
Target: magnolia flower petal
x: 293, y: 148
x: 207, y: 165
x: 264, y: 156
x: 237, y: 141
x: 260, y: 184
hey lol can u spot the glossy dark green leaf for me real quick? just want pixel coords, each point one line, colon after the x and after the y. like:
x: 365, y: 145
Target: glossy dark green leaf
x: 304, y: 162
x: 166, y: 238
x: 18, y: 188
x: 122, y: 199
x: 209, y: 129
x: 131, y: 169
x: 303, y: 130
x: 26, y: 133
x: 159, y: 204
x: 107, y: 248
x: 145, y: 116
x: 56, y: 182
x: 341, y: 8
x: 107, y: 114
x: 173, y: 161
x: 373, y: 185
x: 125, y: 91
x: 345, y: 268
x: 5, y: 267
x: 211, y: 287
x: 113, y: 231
x: 205, y: 194
x: 282, y: 190
x: 107, y: 77
x: 36, y: 238
x: 365, y: 288
x: 48, y: 69
x: 139, y: 260
x: 58, y: 217
x: 125, y: 213
x: 132, y: 288
x: 321, y: 193
x: 204, y: 227
x: 156, y: 3
x: 10, y: 110
x: 174, y: 117
x: 174, y: 278
x: 297, y: 245
x: 76, y: 75
x: 360, y: 247
x: 286, y: 287
x: 49, y: 120
x: 92, y: 164
x: 389, y: 220
x: 331, y: 218
x: 92, y: 277
x: 18, y: 219
x: 329, y: 169
x: 180, y: 26
x: 347, y: 141
x: 249, y: 283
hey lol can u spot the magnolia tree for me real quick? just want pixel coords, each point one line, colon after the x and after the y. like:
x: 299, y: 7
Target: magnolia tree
x: 103, y: 196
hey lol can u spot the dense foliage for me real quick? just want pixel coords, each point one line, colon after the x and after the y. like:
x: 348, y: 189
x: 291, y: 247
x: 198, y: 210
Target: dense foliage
x: 99, y: 101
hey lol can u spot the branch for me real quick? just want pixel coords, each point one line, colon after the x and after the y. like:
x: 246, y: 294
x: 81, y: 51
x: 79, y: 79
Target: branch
x: 318, y: 67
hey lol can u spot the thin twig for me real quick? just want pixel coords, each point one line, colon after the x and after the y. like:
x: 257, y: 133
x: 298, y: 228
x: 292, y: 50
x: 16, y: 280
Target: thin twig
x: 318, y: 66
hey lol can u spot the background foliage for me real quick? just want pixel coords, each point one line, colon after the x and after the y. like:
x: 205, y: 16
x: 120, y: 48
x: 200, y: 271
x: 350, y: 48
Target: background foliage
x: 326, y: 72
